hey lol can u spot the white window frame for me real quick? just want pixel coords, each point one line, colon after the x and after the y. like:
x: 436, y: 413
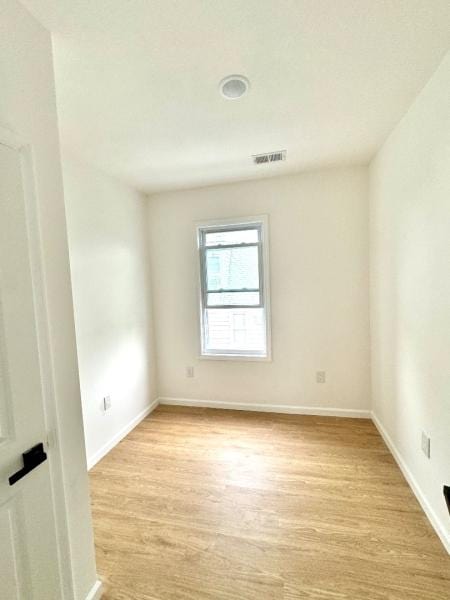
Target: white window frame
x: 262, y: 222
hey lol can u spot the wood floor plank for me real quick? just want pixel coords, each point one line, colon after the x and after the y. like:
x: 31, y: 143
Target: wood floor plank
x: 203, y: 504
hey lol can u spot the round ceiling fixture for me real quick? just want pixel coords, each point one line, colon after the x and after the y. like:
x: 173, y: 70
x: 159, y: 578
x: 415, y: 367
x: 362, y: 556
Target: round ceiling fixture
x: 234, y: 86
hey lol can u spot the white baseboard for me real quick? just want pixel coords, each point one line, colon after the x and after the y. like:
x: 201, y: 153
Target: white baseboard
x: 272, y: 408
x: 96, y: 591
x: 427, y: 509
x: 93, y: 460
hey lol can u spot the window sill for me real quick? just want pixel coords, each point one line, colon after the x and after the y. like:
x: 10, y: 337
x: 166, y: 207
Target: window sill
x: 236, y: 357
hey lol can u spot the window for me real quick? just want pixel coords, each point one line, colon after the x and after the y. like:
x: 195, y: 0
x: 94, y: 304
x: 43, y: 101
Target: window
x: 234, y: 288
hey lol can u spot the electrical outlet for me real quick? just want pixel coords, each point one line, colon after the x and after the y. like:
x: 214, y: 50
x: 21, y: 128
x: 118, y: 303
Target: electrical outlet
x: 106, y: 403
x: 426, y: 445
x: 321, y: 377
x: 189, y: 371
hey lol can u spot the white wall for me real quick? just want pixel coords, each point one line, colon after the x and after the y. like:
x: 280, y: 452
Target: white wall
x: 319, y: 291
x: 108, y: 241
x: 410, y: 290
x: 28, y: 108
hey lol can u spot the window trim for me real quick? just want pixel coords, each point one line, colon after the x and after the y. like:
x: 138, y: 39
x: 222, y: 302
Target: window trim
x: 262, y: 222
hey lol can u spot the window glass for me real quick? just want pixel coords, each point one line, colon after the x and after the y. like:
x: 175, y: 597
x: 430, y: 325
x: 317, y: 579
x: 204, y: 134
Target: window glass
x: 232, y: 268
x: 236, y: 329
x: 236, y: 236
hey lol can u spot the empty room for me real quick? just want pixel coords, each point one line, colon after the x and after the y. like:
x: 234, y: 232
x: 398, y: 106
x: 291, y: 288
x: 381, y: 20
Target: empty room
x: 225, y: 300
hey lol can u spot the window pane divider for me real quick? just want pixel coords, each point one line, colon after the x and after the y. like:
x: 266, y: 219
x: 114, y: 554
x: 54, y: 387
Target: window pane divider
x: 221, y: 306
x: 232, y: 291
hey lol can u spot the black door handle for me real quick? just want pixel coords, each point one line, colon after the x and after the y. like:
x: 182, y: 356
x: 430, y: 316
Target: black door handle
x: 31, y: 459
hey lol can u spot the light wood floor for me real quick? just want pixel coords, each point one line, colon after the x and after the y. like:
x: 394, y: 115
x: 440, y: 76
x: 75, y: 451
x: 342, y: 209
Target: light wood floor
x: 200, y: 504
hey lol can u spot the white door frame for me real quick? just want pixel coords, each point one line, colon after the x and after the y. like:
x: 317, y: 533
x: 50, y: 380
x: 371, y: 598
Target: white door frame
x: 25, y: 150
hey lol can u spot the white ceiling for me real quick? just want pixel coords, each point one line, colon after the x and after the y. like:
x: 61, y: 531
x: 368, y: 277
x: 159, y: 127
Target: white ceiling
x: 137, y: 81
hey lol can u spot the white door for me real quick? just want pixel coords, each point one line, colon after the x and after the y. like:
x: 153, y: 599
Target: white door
x: 28, y: 546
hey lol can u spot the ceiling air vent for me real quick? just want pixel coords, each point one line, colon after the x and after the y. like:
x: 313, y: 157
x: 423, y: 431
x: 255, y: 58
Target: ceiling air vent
x: 270, y: 157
